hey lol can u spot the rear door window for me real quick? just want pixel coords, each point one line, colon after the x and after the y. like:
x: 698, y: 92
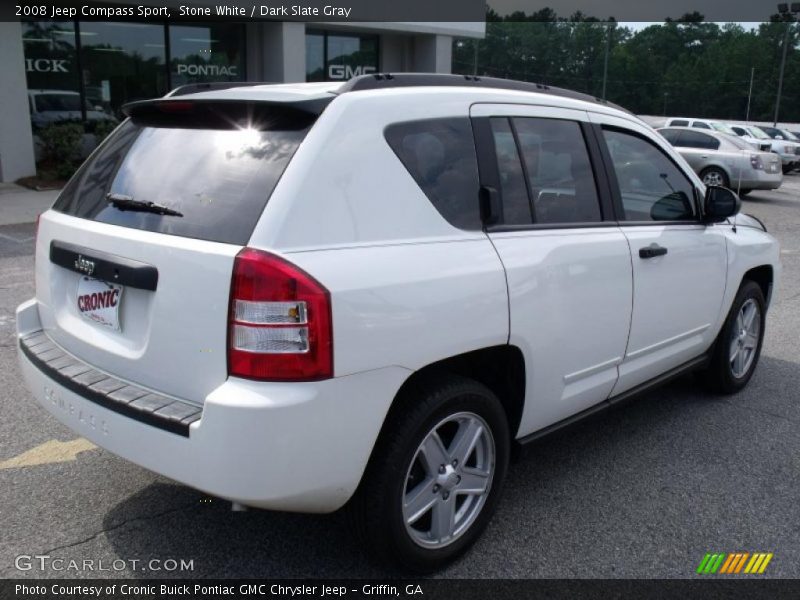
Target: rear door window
x: 514, y: 193
x: 218, y: 179
x: 695, y: 139
x: 440, y: 155
x: 560, y: 176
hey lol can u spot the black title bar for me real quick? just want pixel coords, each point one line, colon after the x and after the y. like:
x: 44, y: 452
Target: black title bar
x: 375, y: 11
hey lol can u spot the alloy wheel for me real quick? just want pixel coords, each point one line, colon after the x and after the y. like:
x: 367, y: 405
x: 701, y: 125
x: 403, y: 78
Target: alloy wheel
x: 449, y: 480
x: 744, y: 341
x: 713, y: 178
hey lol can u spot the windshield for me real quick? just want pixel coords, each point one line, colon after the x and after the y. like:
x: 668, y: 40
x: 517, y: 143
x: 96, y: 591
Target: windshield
x: 219, y: 180
x: 57, y: 102
x: 757, y: 133
x: 722, y: 128
x: 770, y: 131
x: 790, y: 136
x: 739, y: 143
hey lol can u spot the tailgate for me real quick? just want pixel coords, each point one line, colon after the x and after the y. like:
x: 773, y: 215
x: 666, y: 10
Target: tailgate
x: 171, y: 339
x: 134, y: 261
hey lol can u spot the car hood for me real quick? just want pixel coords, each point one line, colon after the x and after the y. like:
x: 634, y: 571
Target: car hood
x: 745, y: 220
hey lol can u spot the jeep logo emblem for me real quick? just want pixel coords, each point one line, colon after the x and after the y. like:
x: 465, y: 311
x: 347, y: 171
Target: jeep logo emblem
x: 84, y: 265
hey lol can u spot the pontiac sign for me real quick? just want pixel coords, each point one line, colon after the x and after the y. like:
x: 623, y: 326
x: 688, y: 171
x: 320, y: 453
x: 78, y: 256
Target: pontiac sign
x: 213, y: 70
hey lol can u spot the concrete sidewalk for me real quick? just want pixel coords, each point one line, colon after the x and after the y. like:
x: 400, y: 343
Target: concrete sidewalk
x: 22, y: 205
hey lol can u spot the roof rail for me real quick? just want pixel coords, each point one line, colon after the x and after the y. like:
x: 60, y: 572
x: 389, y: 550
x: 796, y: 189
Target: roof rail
x: 208, y: 86
x: 379, y: 81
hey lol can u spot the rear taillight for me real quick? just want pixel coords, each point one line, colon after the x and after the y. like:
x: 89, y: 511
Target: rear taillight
x: 280, y: 326
x: 755, y: 161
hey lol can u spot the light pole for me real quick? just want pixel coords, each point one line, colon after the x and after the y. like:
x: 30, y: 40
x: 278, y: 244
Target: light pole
x: 787, y: 13
x: 609, y: 30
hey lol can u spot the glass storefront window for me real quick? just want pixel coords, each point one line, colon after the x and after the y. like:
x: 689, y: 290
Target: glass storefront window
x: 51, y: 68
x: 315, y: 56
x: 333, y: 56
x: 206, y: 53
x: 121, y: 62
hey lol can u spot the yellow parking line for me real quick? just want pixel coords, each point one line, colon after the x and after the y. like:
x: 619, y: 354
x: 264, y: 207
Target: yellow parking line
x: 49, y: 453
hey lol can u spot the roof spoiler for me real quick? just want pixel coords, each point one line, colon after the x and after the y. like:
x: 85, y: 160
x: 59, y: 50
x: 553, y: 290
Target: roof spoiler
x: 213, y: 113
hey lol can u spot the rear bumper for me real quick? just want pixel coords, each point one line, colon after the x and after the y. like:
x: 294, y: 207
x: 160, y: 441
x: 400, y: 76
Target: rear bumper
x: 761, y: 180
x: 284, y: 446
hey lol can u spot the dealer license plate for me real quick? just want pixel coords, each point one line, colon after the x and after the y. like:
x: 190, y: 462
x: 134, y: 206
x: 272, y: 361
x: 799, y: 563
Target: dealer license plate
x: 99, y: 301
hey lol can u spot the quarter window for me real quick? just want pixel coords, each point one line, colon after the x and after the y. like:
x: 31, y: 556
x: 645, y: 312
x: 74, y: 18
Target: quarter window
x: 651, y: 186
x: 440, y: 156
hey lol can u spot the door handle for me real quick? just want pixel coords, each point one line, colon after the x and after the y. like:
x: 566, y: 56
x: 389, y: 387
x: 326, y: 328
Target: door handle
x: 652, y: 251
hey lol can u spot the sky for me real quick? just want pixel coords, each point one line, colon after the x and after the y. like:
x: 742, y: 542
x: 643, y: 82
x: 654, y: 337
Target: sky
x: 647, y: 10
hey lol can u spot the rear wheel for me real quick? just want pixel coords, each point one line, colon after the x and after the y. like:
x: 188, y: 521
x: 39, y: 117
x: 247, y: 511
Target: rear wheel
x: 714, y: 176
x: 435, y: 476
x: 738, y: 346
x: 743, y: 193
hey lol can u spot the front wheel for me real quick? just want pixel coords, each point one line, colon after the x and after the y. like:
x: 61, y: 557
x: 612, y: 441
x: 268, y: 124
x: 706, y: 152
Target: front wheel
x: 435, y: 476
x: 738, y: 346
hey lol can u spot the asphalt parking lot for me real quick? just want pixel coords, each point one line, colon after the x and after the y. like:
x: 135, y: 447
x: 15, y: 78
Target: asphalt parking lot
x: 643, y: 491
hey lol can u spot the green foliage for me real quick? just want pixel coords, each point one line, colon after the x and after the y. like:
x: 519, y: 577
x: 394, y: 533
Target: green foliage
x: 683, y: 67
x: 61, y: 147
x: 102, y: 129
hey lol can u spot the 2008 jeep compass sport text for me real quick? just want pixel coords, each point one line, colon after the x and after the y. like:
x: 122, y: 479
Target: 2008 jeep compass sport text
x: 366, y: 294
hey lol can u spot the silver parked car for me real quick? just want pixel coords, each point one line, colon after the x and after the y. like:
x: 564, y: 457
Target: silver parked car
x: 726, y: 160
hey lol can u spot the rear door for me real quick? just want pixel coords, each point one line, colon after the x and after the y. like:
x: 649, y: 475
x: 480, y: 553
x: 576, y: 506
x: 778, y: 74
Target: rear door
x: 143, y: 294
x: 679, y: 264
x: 568, y: 265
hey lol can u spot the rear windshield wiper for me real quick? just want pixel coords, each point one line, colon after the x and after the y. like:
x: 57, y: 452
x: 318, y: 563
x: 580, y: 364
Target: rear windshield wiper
x: 123, y: 202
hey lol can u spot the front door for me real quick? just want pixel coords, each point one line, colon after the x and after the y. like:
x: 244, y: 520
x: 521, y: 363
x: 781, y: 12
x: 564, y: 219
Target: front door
x: 679, y: 264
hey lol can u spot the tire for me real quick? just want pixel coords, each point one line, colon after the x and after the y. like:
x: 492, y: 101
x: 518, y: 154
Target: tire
x: 710, y: 175
x: 450, y: 406
x: 743, y: 193
x: 724, y: 375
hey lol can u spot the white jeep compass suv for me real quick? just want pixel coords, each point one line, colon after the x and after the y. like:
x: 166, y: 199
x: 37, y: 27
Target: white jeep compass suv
x: 298, y: 297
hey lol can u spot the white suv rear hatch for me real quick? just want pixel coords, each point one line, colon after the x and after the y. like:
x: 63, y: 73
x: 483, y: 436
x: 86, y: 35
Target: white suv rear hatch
x: 141, y: 291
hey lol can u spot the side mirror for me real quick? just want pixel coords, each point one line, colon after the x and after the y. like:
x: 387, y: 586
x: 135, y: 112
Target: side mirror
x: 778, y: 137
x: 720, y: 203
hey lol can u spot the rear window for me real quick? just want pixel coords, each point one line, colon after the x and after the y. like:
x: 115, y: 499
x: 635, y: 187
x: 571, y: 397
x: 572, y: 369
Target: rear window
x: 440, y: 156
x: 218, y: 179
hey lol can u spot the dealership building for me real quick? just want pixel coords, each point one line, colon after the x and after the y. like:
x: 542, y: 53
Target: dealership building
x: 87, y: 69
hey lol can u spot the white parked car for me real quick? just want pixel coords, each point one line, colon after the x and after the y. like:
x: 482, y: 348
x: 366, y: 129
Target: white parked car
x: 306, y: 296
x: 753, y: 136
